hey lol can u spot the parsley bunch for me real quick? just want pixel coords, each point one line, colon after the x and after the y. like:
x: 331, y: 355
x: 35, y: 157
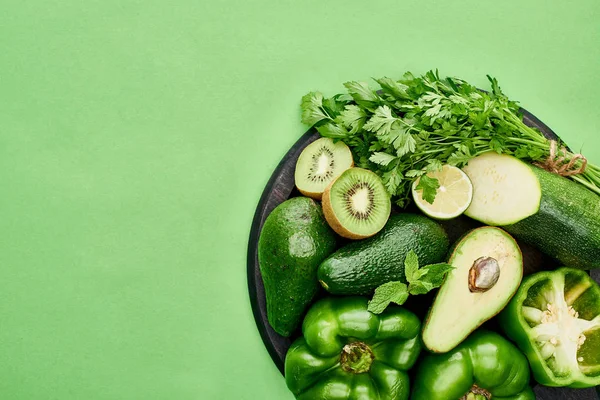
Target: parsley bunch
x: 414, y: 125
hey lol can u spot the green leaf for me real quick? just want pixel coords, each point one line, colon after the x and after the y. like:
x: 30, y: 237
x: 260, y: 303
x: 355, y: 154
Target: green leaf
x: 391, y: 292
x: 381, y: 122
x: 458, y: 159
x: 436, y: 273
x: 429, y: 187
x: 391, y: 180
x: 353, y: 117
x: 434, y: 165
x: 381, y: 158
x: 405, y: 143
x: 393, y: 88
x: 332, y: 130
x: 312, y: 108
x: 419, y: 287
x: 411, y: 266
x: 413, y: 173
x: 333, y: 107
x: 363, y: 95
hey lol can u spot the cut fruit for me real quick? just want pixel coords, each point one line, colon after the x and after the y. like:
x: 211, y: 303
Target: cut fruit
x: 488, y: 270
x: 555, y: 319
x: 319, y: 164
x: 453, y: 196
x: 505, y: 189
x: 356, y: 204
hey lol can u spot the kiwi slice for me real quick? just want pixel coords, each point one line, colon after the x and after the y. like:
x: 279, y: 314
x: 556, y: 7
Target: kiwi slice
x: 356, y: 204
x: 319, y: 164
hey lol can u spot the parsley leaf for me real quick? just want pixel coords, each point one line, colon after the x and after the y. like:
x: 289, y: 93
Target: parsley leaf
x: 312, y: 108
x: 381, y: 158
x: 428, y: 186
x: 425, y: 122
x: 353, y: 117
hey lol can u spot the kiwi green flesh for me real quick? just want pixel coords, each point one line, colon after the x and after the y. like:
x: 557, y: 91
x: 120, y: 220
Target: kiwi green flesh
x: 320, y: 163
x: 360, y: 201
x: 456, y: 311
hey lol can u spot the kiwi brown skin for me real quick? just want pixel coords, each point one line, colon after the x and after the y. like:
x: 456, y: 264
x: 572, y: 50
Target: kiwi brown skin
x: 333, y: 221
x: 318, y: 195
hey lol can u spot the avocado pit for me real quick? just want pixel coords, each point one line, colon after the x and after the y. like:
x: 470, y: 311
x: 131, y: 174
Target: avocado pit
x: 484, y: 274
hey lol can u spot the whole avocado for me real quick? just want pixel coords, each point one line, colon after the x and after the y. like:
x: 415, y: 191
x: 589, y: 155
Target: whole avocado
x: 361, y: 266
x: 294, y: 240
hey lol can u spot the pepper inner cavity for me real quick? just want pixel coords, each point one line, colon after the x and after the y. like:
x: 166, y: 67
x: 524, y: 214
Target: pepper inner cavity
x: 557, y: 328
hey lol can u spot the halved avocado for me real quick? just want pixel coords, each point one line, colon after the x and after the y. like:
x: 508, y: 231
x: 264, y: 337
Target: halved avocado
x: 488, y: 270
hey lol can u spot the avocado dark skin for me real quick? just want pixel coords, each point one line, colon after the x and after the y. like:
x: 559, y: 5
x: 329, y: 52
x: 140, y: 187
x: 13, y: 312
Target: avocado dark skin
x: 294, y: 240
x: 361, y: 266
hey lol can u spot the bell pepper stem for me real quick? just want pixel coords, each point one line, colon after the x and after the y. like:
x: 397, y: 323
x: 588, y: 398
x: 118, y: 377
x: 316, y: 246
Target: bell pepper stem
x: 356, y: 358
x: 477, y: 393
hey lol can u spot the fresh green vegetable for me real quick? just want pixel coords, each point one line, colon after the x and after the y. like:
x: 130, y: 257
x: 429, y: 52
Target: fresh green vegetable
x: 485, y: 366
x: 567, y: 225
x: 416, y: 124
x: 360, y: 267
x: 420, y: 281
x: 349, y: 353
x: 555, y: 319
x: 505, y: 189
x: 488, y: 268
x: 294, y: 240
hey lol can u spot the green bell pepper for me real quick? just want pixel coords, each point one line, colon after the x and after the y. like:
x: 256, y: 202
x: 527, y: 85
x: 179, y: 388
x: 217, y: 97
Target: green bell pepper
x: 347, y: 352
x: 555, y: 320
x: 484, y: 366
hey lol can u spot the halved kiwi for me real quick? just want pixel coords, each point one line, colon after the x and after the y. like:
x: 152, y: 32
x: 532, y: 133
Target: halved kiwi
x: 356, y: 205
x: 319, y: 164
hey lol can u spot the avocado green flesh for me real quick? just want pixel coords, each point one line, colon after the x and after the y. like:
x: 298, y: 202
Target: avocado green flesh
x: 361, y: 266
x: 567, y: 225
x: 294, y: 240
x: 457, y: 311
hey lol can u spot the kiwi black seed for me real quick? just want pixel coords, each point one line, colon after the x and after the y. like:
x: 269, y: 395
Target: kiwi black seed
x: 319, y: 164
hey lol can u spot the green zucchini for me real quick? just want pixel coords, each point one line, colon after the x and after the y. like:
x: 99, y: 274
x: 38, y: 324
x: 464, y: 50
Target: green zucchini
x: 567, y: 225
x: 505, y: 190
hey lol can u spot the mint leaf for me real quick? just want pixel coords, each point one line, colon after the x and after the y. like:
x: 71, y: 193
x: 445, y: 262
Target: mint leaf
x: 436, y: 273
x: 419, y: 287
x: 391, y: 292
x: 312, y: 108
x: 429, y: 187
x: 411, y: 267
x: 381, y: 158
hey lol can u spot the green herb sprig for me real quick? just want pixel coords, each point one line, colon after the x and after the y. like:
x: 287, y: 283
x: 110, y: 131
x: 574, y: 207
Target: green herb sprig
x: 414, y: 125
x: 420, y: 281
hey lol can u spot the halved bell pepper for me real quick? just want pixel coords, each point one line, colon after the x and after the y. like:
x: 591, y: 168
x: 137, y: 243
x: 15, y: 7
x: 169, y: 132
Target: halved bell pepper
x: 555, y: 319
x: 347, y: 352
x: 484, y: 366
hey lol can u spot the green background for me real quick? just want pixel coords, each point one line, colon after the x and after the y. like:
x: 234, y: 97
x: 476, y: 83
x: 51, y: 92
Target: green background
x: 137, y: 136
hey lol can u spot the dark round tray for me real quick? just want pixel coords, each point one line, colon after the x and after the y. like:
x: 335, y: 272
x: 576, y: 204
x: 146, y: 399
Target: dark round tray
x: 281, y: 187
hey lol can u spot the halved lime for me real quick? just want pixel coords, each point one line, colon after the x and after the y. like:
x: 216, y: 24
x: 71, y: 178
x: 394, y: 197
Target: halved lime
x: 453, y: 196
